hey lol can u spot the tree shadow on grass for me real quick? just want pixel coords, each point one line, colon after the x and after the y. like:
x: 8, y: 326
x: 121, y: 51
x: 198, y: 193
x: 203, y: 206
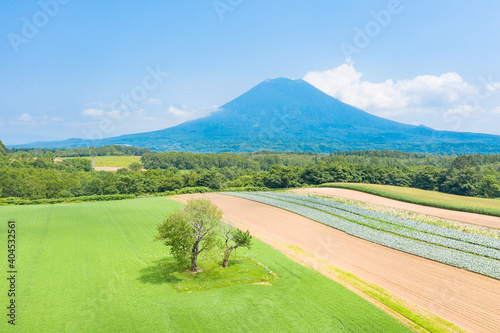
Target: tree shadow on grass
x: 162, y: 271
x: 209, y: 276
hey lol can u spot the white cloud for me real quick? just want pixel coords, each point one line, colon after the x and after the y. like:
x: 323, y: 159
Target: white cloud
x: 93, y: 112
x: 496, y: 110
x: 181, y: 113
x: 56, y: 119
x: 153, y: 101
x: 447, y: 94
x: 185, y: 113
x: 25, y: 117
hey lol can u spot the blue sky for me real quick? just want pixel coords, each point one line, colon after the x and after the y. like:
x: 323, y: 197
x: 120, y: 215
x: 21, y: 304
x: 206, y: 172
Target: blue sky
x: 67, y: 66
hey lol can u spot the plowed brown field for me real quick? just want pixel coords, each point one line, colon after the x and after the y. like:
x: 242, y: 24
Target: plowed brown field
x: 467, y: 299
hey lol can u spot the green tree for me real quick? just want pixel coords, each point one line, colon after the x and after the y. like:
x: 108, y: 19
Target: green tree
x: 461, y: 182
x: 42, y: 163
x: 426, y: 178
x: 75, y: 164
x: 234, y: 238
x: 191, y: 231
x: 464, y: 161
x: 136, y: 166
x: 489, y: 186
x: 211, y: 178
x: 50, y: 156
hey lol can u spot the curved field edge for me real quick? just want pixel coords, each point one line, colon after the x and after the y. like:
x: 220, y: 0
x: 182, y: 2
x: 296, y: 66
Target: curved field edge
x: 94, y: 267
x: 473, y: 263
x: 421, y: 197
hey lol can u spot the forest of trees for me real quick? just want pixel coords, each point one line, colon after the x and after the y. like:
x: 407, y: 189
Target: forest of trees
x: 24, y: 176
x: 83, y: 152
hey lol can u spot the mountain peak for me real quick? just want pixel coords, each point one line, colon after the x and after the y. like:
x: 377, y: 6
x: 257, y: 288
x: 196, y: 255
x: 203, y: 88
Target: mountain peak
x: 275, y: 93
x: 283, y: 80
x: 282, y: 83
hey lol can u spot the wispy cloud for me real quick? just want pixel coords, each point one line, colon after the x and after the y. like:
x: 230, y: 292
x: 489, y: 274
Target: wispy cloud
x: 91, y: 112
x: 116, y: 115
x: 185, y: 113
x: 26, y: 117
x: 153, y: 101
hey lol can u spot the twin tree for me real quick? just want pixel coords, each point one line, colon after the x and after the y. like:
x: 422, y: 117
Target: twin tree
x: 198, y: 228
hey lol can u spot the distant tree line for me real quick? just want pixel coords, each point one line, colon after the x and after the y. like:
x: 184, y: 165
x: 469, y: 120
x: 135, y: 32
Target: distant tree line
x: 114, y: 150
x: 23, y: 176
x: 263, y: 161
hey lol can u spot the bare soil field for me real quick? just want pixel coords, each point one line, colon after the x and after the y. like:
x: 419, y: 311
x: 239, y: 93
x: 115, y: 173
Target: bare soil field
x: 467, y: 299
x: 471, y: 218
x: 103, y: 168
x: 107, y: 168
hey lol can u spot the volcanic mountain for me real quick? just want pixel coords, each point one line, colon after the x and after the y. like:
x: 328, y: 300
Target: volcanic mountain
x: 292, y: 115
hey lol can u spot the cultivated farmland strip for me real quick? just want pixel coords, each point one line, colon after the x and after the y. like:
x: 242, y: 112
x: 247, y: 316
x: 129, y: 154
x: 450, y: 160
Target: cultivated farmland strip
x: 428, y: 228
x: 435, y: 239
x: 474, y: 263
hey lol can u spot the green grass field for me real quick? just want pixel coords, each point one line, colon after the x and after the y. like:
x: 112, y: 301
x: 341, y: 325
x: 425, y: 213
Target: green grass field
x: 427, y: 198
x: 115, y: 161
x: 93, y: 267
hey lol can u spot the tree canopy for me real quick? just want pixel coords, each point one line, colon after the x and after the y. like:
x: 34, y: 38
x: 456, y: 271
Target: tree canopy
x: 191, y: 231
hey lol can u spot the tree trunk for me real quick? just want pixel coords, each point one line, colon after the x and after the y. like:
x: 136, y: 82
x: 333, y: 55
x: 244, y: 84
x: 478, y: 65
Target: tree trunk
x: 227, y: 255
x: 225, y: 261
x: 194, y: 257
x: 193, y: 264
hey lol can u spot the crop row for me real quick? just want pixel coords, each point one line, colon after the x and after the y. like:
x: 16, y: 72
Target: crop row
x: 474, y: 263
x: 411, y: 224
x: 393, y: 228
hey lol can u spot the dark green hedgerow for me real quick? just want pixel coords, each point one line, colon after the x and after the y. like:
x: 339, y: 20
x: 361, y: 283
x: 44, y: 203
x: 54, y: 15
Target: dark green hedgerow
x: 112, y: 197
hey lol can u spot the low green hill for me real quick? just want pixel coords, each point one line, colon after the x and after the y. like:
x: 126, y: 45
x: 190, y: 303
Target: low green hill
x: 3, y: 149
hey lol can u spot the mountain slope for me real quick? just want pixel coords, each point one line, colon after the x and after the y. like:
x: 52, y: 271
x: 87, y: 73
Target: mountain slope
x: 292, y: 115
